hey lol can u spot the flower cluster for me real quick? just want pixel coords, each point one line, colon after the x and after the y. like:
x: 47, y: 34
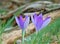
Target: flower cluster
x: 38, y: 21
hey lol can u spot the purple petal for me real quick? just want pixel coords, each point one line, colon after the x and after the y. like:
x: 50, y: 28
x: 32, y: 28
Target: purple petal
x: 26, y: 22
x: 38, y: 23
x: 46, y: 22
x: 21, y: 22
x: 40, y: 15
x: 21, y: 18
x: 17, y: 21
x: 35, y: 17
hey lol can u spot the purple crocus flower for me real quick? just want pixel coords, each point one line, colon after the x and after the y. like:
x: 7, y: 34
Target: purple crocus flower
x: 39, y: 22
x: 22, y: 22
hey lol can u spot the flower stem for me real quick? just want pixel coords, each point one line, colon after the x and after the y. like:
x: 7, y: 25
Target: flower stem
x: 34, y: 41
x: 23, y: 34
x: 0, y: 39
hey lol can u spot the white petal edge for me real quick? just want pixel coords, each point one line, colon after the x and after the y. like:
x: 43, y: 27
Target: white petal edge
x: 17, y: 21
x: 32, y: 19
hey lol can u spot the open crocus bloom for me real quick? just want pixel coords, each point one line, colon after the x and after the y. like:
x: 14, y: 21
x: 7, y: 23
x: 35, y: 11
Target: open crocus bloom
x: 39, y: 22
x: 22, y: 22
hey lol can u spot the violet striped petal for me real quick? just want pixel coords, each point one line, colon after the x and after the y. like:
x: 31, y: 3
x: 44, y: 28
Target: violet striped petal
x: 35, y: 17
x: 39, y: 22
x: 26, y: 22
x: 46, y: 22
x: 40, y: 15
x: 21, y: 22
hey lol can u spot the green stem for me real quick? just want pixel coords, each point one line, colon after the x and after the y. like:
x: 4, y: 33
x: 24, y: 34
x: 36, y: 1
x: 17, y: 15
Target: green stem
x: 35, y: 37
x: 23, y: 34
x: 0, y: 39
